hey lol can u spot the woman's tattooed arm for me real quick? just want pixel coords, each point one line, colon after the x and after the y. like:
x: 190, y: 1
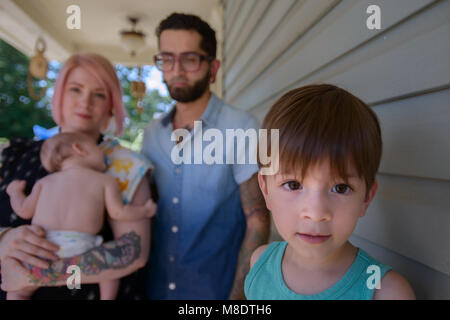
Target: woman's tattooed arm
x: 113, y: 255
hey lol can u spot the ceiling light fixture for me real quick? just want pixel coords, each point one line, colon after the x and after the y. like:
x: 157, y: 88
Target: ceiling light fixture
x: 133, y: 41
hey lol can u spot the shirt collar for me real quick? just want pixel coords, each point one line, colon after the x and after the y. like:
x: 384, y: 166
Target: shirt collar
x: 169, y: 116
x: 208, y: 117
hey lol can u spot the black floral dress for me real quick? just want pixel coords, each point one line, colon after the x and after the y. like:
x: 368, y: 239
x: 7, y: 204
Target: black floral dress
x: 21, y: 161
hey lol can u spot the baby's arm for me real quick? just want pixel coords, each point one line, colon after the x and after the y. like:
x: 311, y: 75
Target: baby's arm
x: 22, y: 205
x: 119, y: 211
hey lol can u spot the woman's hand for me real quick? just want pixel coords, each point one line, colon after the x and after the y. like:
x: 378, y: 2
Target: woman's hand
x: 14, y: 275
x: 27, y: 244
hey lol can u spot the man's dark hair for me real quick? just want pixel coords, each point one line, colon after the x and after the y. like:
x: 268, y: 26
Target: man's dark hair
x: 181, y: 21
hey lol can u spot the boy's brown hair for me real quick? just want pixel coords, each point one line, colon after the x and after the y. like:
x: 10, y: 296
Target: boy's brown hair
x: 320, y: 122
x: 58, y: 148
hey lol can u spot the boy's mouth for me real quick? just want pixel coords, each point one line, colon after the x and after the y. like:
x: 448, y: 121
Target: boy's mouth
x: 313, y: 238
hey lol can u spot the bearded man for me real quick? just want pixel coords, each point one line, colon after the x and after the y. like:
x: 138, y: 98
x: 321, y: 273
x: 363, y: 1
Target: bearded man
x: 210, y: 217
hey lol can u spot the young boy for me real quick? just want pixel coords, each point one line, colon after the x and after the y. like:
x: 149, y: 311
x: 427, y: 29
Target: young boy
x: 70, y: 203
x: 329, y: 153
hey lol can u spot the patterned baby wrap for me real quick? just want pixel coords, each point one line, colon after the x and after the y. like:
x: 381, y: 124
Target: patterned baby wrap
x: 126, y: 166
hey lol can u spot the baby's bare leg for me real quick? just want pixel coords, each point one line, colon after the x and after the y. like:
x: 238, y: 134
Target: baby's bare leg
x: 109, y: 289
x: 24, y: 294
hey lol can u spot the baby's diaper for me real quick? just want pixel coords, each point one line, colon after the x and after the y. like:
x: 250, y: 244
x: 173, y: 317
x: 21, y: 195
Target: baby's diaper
x: 72, y: 243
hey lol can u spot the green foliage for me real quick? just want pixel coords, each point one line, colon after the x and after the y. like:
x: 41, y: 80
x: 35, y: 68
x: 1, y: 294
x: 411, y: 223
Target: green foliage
x: 2, y: 141
x: 152, y: 102
x: 18, y: 111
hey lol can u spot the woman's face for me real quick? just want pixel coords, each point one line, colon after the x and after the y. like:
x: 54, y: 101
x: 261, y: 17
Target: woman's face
x: 86, y: 105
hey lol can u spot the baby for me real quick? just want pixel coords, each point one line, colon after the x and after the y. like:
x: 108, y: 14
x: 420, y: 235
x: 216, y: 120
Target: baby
x: 71, y: 201
x: 329, y: 153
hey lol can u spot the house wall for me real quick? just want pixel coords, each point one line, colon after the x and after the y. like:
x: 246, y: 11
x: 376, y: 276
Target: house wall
x: 402, y: 71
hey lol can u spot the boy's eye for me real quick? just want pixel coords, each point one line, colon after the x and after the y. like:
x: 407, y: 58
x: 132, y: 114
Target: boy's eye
x: 292, y: 185
x: 342, y: 188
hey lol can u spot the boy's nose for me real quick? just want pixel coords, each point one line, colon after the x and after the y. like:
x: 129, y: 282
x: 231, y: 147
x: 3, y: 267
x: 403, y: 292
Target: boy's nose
x: 316, y: 209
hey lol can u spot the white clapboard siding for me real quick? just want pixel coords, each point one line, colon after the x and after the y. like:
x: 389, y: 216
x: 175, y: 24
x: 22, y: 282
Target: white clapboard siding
x: 246, y: 31
x: 299, y: 18
x: 427, y: 283
x: 236, y: 27
x: 271, y: 19
x: 231, y: 11
x: 402, y: 71
x: 416, y: 136
x: 333, y: 37
x: 411, y: 216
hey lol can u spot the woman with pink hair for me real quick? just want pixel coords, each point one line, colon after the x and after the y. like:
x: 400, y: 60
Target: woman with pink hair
x: 88, y: 99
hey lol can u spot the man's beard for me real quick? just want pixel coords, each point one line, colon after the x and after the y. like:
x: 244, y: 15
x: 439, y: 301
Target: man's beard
x: 189, y: 93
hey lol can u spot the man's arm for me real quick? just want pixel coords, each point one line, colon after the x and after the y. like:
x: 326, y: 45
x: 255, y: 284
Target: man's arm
x: 256, y: 234
x: 112, y: 260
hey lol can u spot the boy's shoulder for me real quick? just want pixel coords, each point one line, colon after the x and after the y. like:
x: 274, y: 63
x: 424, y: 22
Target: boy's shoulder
x: 394, y: 287
x: 257, y: 253
x: 277, y: 247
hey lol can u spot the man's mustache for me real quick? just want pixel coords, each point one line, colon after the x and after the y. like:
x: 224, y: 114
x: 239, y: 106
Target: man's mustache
x: 176, y: 79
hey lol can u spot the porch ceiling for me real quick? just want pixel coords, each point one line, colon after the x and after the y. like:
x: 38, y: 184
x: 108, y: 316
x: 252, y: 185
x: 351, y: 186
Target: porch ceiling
x: 23, y: 21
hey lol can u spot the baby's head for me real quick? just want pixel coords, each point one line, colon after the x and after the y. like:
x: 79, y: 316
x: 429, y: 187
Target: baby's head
x: 69, y: 146
x: 329, y: 153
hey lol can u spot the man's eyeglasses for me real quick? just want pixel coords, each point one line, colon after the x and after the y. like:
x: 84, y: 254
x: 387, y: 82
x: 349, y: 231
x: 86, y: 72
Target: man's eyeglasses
x: 189, y: 61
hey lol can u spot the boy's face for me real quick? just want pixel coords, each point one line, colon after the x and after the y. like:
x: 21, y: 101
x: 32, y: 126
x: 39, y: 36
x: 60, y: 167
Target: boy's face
x: 316, y: 216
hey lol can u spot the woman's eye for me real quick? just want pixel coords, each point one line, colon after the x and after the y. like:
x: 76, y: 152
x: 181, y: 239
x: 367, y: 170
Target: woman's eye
x: 292, y: 185
x: 342, y: 188
x: 100, y: 95
x: 75, y: 89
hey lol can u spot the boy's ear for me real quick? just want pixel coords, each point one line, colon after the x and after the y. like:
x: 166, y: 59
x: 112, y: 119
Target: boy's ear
x: 78, y: 148
x: 369, y: 197
x: 263, y: 186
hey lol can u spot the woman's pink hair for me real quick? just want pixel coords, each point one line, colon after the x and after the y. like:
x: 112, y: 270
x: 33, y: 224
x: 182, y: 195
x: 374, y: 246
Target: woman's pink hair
x: 104, y: 71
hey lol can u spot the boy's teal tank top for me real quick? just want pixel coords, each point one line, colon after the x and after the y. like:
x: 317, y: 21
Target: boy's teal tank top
x: 265, y: 280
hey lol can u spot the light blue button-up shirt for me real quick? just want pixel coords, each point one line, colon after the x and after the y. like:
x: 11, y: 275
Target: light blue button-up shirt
x: 199, y: 227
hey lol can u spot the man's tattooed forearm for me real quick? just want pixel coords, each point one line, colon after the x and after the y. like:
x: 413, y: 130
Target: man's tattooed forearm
x: 257, y: 233
x: 251, y: 197
x: 117, y: 254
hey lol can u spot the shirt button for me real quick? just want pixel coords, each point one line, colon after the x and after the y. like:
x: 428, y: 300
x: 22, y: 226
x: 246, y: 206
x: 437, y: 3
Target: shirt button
x: 174, y: 229
x: 177, y: 170
x: 171, y: 258
x: 172, y: 286
x: 175, y: 200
